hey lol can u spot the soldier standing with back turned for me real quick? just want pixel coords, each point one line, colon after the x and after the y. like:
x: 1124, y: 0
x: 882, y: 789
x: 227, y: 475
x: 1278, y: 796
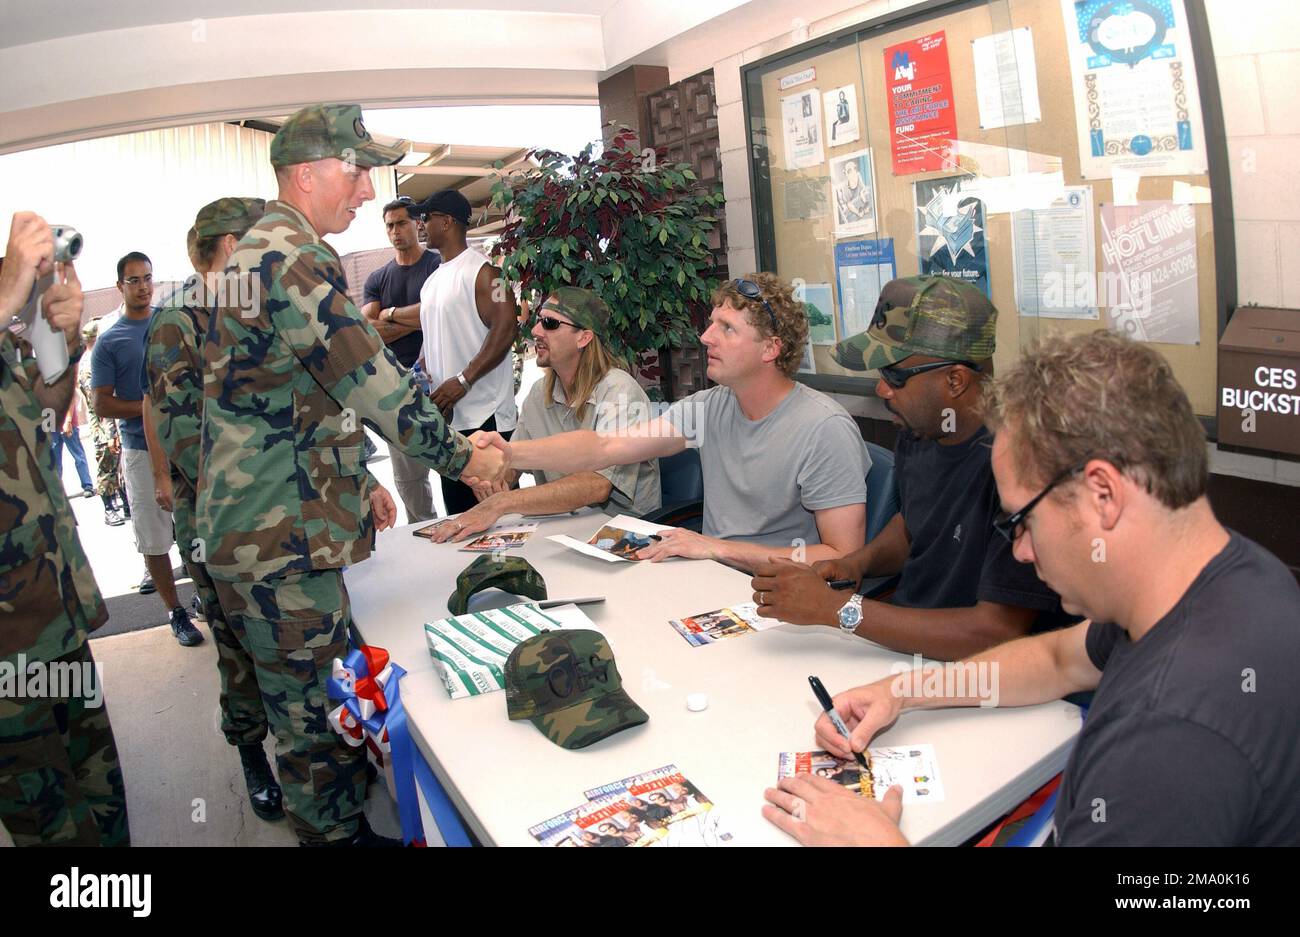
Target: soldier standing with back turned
x: 285, y: 501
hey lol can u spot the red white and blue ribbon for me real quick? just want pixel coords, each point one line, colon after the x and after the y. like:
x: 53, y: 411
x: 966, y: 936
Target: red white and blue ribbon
x: 367, y: 687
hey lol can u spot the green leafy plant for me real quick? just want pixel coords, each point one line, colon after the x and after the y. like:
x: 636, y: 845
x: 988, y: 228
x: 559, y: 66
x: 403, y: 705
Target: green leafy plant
x: 623, y: 224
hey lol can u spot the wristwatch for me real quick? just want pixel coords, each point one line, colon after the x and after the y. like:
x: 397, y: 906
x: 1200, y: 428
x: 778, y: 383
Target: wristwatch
x: 388, y: 313
x: 463, y: 383
x: 850, y: 614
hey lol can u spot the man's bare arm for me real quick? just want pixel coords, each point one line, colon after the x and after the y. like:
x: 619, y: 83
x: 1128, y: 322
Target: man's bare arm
x: 496, y: 309
x: 588, y: 451
x: 108, y: 405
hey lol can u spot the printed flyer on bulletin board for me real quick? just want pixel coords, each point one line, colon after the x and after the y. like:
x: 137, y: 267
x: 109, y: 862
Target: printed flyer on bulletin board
x: 921, y: 116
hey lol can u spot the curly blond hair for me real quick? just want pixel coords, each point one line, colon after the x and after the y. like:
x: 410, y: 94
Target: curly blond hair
x: 791, y: 318
x: 1101, y: 395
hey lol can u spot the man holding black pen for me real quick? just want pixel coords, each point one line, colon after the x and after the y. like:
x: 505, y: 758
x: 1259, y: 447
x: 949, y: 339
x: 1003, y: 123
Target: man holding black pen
x: 960, y: 589
x: 1192, y: 640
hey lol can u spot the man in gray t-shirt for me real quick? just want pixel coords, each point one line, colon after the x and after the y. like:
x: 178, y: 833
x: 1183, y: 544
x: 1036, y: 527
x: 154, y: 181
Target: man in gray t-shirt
x: 784, y: 466
x: 765, y: 479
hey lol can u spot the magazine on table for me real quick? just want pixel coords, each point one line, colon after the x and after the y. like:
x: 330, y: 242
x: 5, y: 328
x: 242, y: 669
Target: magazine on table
x: 730, y: 622
x: 913, y: 767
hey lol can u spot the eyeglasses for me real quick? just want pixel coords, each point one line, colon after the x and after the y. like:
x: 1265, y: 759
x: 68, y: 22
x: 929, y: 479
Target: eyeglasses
x: 896, y: 377
x: 550, y: 323
x: 136, y: 281
x: 1011, y: 526
x: 751, y: 290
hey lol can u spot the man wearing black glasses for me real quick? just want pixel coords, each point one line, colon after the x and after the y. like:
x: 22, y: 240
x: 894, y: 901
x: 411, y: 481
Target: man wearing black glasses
x: 960, y: 591
x: 391, y: 301
x: 1191, y: 644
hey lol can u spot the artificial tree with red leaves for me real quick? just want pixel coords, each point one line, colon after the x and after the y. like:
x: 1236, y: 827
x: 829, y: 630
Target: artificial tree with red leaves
x: 623, y: 224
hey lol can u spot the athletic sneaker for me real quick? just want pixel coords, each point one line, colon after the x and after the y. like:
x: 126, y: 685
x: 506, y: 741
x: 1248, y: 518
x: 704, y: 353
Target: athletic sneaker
x: 184, y: 629
x: 146, y: 586
x: 113, y: 517
x: 88, y: 492
x: 196, y: 609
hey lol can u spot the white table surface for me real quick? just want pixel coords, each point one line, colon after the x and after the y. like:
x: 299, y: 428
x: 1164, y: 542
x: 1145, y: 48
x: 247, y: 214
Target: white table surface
x: 506, y: 776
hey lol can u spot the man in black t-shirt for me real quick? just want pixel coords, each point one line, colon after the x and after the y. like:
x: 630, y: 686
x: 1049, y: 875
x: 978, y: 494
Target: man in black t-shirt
x: 960, y: 590
x: 1193, y: 647
x: 391, y: 300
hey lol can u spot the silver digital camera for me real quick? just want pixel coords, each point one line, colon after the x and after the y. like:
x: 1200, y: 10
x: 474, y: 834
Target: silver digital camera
x: 67, y: 242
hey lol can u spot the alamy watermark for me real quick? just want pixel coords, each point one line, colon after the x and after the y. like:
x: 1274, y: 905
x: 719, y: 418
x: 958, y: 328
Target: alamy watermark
x: 58, y: 679
x: 967, y: 679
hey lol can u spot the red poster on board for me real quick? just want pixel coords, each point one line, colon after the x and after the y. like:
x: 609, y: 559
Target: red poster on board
x: 921, y: 115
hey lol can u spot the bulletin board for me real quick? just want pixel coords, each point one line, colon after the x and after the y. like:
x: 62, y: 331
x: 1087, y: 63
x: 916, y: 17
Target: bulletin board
x: 802, y: 233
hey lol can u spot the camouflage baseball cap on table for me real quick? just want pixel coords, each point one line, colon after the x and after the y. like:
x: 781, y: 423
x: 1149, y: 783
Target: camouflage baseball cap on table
x: 583, y: 307
x: 512, y: 574
x: 230, y: 215
x: 322, y: 131
x: 567, y: 684
x: 932, y: 315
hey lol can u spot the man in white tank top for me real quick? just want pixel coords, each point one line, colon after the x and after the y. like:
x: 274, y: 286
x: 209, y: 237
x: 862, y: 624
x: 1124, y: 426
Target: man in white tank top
x: 469, y: 321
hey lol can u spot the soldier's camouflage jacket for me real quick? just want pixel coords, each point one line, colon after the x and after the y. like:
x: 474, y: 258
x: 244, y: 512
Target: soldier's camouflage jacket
x: 174, y: 377
x: 283, y: 488
x: 48, y: 596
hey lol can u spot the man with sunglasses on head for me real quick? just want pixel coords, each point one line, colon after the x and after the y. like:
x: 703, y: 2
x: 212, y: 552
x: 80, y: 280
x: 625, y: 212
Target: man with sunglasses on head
x: 584, y: 388
x: 960, y: 591
x: 784, y: 467
x: 391, y: 301
x: 470, y: 322
x: 1193, y: 643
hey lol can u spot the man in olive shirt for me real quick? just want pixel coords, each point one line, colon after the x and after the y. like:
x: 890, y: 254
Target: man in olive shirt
x: 584, y: 388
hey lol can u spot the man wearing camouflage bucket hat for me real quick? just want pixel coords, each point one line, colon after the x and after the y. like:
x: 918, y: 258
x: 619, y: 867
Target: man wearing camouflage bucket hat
x: 173, y: 415
x: 932, y: 339
x: 566, y: 683
x: 585, y: 388
x: 285, y: 501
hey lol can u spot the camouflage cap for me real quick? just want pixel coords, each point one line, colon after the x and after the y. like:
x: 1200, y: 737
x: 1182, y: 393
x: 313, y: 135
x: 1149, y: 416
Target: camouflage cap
x: 583, y: 307
x: 932, y: 315
x: 322, y: 131
x: 512, y: 574
x: 230, y: 215
x: 567, y: 684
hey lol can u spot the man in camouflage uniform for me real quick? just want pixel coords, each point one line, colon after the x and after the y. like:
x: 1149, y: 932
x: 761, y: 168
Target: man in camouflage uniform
x: 172, y: 417
x: 103, y: 432
x: 284, y: 499
x: 60, y: 782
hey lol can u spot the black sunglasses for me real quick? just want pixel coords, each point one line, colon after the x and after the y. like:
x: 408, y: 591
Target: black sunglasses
x: 751, y: 290
x: 550, y: 323
x: 896, y: 377
x: 1011, y: 526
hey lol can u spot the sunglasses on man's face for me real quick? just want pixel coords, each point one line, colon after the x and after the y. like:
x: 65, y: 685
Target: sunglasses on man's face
x: 550, y: 323
x: 1012, y: 526
x: 896, y: 377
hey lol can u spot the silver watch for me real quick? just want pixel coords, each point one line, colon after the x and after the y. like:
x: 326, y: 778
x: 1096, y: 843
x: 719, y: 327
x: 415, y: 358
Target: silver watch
x: 850, y: 614
x: 461, y: 377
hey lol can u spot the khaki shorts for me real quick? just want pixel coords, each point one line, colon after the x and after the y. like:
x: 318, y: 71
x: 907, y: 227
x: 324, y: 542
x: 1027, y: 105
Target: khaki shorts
x: 152, y: 525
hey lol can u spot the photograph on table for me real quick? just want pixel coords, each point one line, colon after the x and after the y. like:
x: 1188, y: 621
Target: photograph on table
x: 501, y: 538
x: 670, y: 806
x: 711, y: 627
x: 601, y: 822
x: 853, y: 191
x: 912, y: 767
x: 617, y: 541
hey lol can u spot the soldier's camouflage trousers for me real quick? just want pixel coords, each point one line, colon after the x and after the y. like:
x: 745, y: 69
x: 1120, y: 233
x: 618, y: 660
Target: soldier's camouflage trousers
x: 243, y: 717
x: 293, y: 627
x: 107, y: 481
x: 60, y: 781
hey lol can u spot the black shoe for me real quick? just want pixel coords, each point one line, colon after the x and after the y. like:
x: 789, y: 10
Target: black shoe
x: 184, y: 629
x: 364, y: 836
x: 146, y: 586
x: 263, y: 791
x: 196, y: 610
x: 113, y: 517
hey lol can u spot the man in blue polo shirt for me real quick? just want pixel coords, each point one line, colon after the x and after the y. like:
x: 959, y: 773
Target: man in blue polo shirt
x: 117, y: 366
